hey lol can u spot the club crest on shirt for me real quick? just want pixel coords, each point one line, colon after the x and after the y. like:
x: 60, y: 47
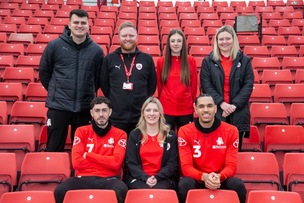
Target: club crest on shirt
x: 110, y: 143
x: 138, y: 66
x: 219, y: 144
x: 76, y: 140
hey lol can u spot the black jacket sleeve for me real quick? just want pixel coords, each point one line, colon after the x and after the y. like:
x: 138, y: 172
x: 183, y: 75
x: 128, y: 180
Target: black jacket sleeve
x: 104, y: 77
x: 46, y: 66
x: 169, y: 167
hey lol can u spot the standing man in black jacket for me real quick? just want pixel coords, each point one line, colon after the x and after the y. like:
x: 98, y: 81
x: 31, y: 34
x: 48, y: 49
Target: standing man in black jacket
x: 128, y: 78
x: 68, y: 69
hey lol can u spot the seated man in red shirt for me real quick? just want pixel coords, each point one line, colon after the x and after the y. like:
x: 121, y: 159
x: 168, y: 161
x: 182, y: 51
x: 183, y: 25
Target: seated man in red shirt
x: 208, y: 150
x: 97, y: 155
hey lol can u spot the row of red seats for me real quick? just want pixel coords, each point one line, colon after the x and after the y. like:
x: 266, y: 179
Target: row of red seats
x: 155, y: 195
x: 259, y: 171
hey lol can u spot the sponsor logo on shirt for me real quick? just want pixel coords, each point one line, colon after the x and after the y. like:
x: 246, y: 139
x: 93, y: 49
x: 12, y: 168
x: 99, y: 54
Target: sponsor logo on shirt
x: 219, y: 144
x: 110, y: 143
x: 181, y: 142
x: 76, y: 140
x: 122, y: 143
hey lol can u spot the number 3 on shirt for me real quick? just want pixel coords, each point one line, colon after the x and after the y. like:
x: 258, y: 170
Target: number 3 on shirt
x: 197, y: 152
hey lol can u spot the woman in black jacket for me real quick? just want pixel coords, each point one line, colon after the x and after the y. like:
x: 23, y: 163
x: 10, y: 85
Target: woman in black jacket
x: 227, y: 75
x: 152, y: 154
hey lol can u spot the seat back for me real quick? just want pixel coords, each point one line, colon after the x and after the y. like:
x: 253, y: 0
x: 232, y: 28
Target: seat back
x: 92, y: 196
x: 280, y: 139
x: 258, y: 170
x: 51, y: 168
x: 28, y: 197
x: 253, y: 143
x: 151, y: 195
x: 273, y: 197
x: 211, y: 196
x: 293, y: 174
x: 18, y: 139
x: 8, y: 172
x: 35, y: 92
x: 296, y: 114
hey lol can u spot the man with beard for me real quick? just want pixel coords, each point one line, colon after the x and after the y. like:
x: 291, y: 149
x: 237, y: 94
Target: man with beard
x: 208, y: 150
x: 97, y: 155
x: 128, y: 78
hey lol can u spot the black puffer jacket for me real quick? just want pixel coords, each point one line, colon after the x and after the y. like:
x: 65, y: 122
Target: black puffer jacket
x: 70, y: 72
x: 241, y: 85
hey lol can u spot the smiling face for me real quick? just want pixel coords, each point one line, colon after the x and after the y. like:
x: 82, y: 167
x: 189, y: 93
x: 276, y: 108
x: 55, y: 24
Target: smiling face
x: 176, y: 44
x: 206, y: 110
x: 79, y: 27
x: 225, y: 43
x: 151, y: 114
x: 128, y: 39
x: 101, y: 113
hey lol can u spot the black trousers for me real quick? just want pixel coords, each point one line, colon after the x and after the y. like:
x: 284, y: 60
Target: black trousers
x: 91, y: 182
x: 58, y: 123
x: 178, y: 121
x: 186, y: 183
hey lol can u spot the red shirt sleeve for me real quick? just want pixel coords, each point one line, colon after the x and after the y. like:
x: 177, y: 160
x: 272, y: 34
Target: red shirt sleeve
x: 193, y: 79
x: 160, y: 64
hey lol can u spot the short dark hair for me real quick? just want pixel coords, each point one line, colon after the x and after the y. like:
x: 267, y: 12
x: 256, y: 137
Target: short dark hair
x: 80, y: 13
x: 100, y: 100
x: 200, y: 96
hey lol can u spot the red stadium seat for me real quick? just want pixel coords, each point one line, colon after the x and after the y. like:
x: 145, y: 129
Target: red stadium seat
x: 26, y: 112
x: 92, y: 196
x: 154, y: 195
x: 261, y: 93
x: 12, y: 49
x: 273, y: 196
x: 28, y: 196
x: 296, y: 114
x: 280, y: 139
x: 256, y: 51
x: 18, y: 139
x: 51, y: 168
x: 8, y: 172
x: 288, y: 94
x: 273, y: 77
x: 10, y: 92
x: 258, y: 170
x: 45, y: 38
x: 263, y: 114
x: 209, y: 196
x: 293, y: 174
x: 34, y: 49
x: 3, y: 112
x: 299, y: 76
x: 35, y: 92
x: 253, y: 143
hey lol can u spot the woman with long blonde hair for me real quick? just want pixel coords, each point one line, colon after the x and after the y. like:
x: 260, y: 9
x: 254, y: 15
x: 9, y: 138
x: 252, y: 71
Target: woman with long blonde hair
x: 152, y: 154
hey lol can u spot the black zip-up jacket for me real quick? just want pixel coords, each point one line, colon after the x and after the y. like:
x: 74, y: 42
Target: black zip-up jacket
x: 241, y: 85
x: 169, y: 165
x: 127, y: 103
x: 70, y: 72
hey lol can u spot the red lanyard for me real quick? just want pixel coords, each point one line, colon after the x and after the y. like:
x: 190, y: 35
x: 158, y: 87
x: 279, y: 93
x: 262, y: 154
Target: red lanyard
x: 128, y: 73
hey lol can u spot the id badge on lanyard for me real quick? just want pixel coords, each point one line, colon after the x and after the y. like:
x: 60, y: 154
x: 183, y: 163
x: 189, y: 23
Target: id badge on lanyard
x: 128, y: 85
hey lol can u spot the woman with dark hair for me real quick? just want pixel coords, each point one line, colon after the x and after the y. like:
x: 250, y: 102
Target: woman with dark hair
x: 152, y: 154
x: 177, y: 81
x: 227, y: 75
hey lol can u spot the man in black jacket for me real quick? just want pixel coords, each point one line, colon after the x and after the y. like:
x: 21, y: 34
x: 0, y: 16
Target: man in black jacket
x: 128, y: 78
x: 68, y: 69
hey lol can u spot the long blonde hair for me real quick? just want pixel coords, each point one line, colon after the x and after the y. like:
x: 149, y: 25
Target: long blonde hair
x: 235, y: 45
x: 163, y: 127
